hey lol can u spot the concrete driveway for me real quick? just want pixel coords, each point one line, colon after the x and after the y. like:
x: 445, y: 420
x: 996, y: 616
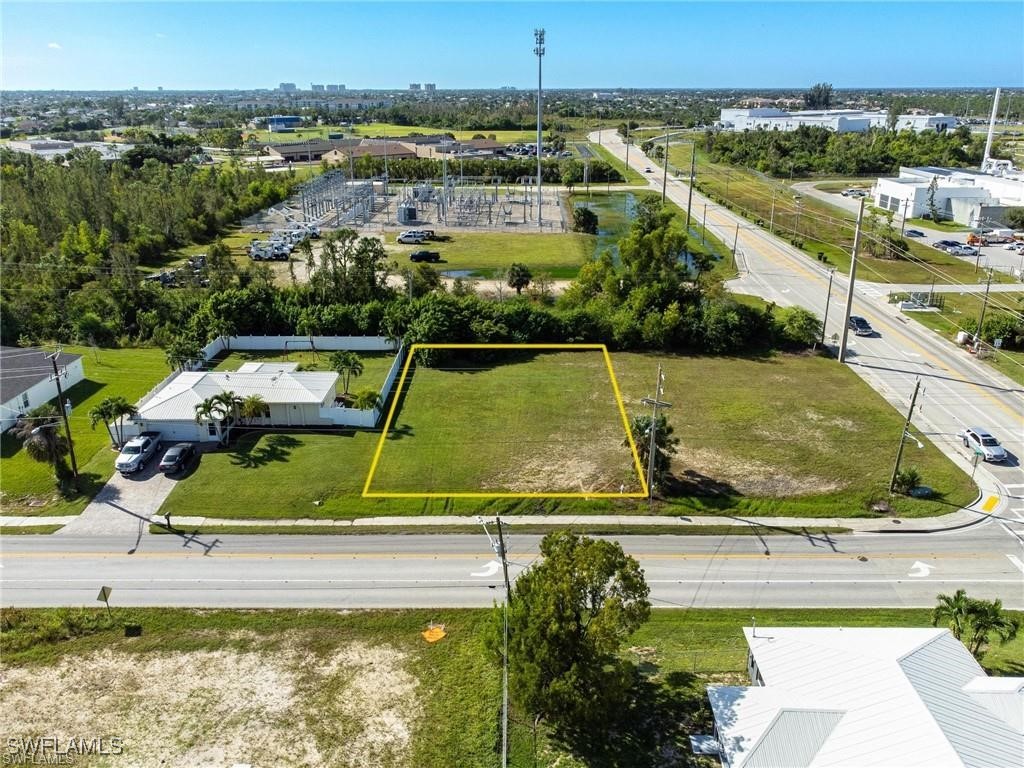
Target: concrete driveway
x: 124, y: 504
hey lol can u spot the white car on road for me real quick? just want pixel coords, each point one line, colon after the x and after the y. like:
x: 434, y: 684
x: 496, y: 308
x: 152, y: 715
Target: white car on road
x: 983, y: 443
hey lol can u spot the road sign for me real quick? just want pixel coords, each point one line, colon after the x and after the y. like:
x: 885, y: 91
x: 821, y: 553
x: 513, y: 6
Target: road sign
x: 104, y: 596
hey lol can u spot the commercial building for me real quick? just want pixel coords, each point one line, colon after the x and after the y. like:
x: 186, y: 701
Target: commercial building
x: 316, y: 87
x: 299, y: 151
x: 48, y: 149
x: 287, y: 87
x: 393, y: 150
x: 838, y: 120
x: 968, y: 197
x: 280, y: 123
x: 414, y: 86
x: 429, y: 87
x: 870, y: 698
x: 335, y: 88
x: 26, y: 380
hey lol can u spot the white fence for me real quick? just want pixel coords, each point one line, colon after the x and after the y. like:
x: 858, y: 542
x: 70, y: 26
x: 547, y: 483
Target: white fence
x: 297, y: 344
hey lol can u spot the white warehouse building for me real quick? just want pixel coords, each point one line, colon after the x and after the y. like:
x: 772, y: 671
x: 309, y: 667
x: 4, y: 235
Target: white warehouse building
x: 838, y: 120
x: 968, y: 197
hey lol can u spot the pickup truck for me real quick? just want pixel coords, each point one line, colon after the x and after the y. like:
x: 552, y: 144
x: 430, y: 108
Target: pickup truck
x: 433, y: 256
x: 136, y: 452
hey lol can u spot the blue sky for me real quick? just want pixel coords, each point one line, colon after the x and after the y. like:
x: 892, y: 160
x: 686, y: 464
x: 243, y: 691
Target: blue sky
x: 88, y: 45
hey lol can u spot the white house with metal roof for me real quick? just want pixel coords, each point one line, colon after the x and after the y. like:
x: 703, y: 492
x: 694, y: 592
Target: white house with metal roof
x: 867, y: 698
x: 26, y: 380
x: 294, y: 399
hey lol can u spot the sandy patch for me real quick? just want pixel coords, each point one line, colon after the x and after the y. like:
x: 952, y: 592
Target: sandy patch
x: 748, y: 477
x: 220, y: 708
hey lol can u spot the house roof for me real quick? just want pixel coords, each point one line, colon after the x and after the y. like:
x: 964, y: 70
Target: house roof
x: 868, y: 697
x: 177, y: 400
x: 24, y: 367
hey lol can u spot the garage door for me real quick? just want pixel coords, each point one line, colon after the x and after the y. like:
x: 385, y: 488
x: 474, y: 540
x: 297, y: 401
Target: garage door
x: 177, y: 430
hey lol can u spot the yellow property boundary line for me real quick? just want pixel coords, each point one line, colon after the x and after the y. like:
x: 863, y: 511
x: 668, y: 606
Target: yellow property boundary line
x: 642, y: 494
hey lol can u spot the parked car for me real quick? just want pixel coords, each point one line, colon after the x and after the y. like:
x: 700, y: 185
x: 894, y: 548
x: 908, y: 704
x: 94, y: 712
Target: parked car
x: 913, y: 233
x: 136, y: 452
x: 432, y: 256
x: 648, y: 169
x: 944, y: 245
x: 981, y: 441
x: 177, y: 458
x: 963, y: 250
x: 411, y: 238
x: 860, y: 326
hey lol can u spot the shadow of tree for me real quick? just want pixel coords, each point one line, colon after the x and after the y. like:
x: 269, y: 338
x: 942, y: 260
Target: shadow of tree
x: 262, y: 452
x: 652, y: 728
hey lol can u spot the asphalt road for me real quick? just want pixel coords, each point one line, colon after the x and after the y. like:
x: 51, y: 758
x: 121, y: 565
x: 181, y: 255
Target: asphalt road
x: 887, y: 570
x: 957, y: 390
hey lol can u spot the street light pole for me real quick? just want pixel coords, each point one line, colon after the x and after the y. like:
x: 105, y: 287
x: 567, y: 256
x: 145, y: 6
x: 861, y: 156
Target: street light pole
x: 903, y: 436
x: 664, y: 172
x: 981, y: 320
x: 693, y: 175
x: 538, y: 36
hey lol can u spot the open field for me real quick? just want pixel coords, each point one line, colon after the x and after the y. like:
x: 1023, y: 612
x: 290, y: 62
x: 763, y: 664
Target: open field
x: 958, y: 306
x: 507, y: 421
x: 631, y: 176
x: 743, y: 451
x: 822, y: 227
x: 129, y: 373
x: 355, y: 688
x: 484, y: 254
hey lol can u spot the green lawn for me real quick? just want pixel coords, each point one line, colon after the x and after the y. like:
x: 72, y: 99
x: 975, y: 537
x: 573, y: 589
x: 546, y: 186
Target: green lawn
x: 483, y: 254
x: 268, y: 681
x: 945, y: 226
x: 775, y: 436
x: 631, y: 176
x: 130, y: 373
x: 375, y: 364
x: 503, y: 422
x: 958, y: 306
x: 821, y: 226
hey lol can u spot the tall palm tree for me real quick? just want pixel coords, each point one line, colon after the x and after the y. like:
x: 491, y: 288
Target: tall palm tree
x: 348, y: 365
x: 231, y: 403
x: 39, y: 431
x: 954, y: 611
x: 987, y: 619
x: 119, y: 408
x: 103, y: 413
x: 253, y: 407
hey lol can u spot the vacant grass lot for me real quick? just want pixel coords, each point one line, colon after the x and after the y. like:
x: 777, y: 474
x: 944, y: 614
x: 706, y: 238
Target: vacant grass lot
x: 777, y: 436
x: 484, y: 254
x: 508, y: 422
x: 362, y: 688
x: 375, y: 364
x: 630, y: 176
x: 129, y: 373
x: 958, y: 306
x: 821, y: 226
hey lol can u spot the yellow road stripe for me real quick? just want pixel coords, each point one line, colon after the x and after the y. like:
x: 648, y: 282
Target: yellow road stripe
x: 990, y: 503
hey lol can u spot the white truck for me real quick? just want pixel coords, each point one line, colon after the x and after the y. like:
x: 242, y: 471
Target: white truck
x: 136, y: 452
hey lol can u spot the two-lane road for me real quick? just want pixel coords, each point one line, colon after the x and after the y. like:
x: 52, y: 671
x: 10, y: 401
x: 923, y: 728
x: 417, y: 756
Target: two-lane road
x: 891, y: 570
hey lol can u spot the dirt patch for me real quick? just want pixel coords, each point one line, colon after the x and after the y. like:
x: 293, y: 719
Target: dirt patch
x: 355, y: 707
x: 749, y: 477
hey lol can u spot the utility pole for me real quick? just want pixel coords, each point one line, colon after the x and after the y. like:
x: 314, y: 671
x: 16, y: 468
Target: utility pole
x: 903, y: 224
x: 64, y: 414
x: 704, y: 226
x: 655, y: 403
x: 499, y: 549
x: 664, y: 173
x: 627, y: 146
x: 736, y: 240
x: 771, y: 220
x: 981, y: 320
x: 853, y: 280
x: 828, y: 300
x: 538, y: 36
x: 903, y: 436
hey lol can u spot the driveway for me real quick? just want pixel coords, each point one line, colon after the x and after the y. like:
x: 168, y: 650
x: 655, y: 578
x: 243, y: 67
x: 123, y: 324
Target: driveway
x: 124, y: 504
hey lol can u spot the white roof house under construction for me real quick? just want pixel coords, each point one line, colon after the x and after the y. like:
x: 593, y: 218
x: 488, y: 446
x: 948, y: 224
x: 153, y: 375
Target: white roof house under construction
x: 864, y: 698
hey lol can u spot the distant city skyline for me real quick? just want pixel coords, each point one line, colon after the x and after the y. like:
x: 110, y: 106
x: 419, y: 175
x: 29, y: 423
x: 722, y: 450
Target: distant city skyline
x: 601, y: 45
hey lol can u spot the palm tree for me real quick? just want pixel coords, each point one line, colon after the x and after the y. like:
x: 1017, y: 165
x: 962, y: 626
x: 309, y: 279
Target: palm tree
x: 987, y: 618
x: 119, y: 408
x: 953, y: 611
x: 212, y: 409
x: 664, y: 447
x: 230, y: 403
x: 348, y: 365
x: 42, y: 439
x: 367, y: 400
x: 103, y: 413
x: 253, y: 407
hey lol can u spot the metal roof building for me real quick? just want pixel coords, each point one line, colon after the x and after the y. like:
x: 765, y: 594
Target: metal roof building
x: 864, y: 698
x: 26, y: 380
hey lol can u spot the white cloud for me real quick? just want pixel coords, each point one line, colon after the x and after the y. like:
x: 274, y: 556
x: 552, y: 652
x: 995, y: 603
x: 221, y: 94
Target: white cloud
x: 55, y: 46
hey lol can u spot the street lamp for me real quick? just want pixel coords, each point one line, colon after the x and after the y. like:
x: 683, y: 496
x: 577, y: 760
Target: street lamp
x: 538, y: 36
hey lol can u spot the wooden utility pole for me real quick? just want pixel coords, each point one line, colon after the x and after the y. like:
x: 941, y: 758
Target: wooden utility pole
x: 64, y: 414
x: 853, y: 280
x: 903, y: 436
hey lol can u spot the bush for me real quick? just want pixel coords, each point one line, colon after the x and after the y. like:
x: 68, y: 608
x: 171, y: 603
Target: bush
x: 906, y: 480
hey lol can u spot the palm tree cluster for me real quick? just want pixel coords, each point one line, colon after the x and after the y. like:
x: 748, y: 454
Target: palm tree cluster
x: 41, y: 436
x: 974, y: 622
x: 348, y: 365
x: 112, y: 412
x: 223, y: 410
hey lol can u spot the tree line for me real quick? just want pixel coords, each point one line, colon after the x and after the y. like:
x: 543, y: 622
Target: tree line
x: 504, y: 171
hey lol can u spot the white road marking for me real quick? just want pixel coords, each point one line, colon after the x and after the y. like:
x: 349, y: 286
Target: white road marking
x: 1013, y: 485
x: 489, y: 570
x: 1017, y: 562
x: 919, y: 570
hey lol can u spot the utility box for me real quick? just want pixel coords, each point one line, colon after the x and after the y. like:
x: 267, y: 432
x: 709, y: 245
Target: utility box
x: 406, y: 214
